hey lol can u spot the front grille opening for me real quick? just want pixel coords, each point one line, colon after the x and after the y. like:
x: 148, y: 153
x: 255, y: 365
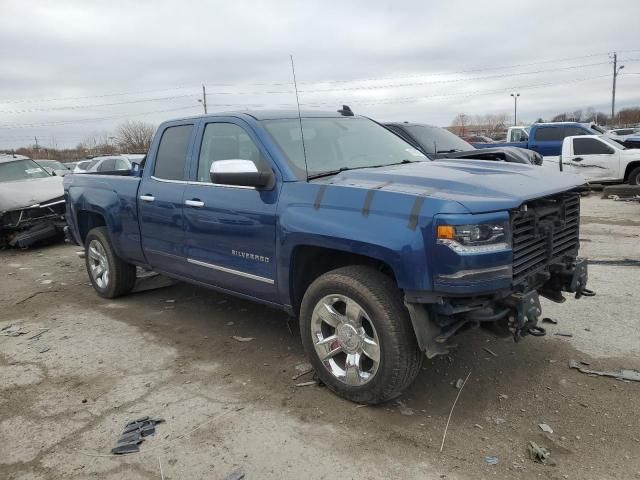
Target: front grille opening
x: 544, y: 234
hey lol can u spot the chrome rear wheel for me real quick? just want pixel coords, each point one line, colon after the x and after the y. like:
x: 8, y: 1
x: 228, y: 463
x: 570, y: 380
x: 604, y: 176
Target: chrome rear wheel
x: 98, y: 264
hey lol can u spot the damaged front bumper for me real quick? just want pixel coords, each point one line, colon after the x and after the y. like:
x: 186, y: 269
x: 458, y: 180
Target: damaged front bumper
x: 27, y: 226
x: 436, y: 319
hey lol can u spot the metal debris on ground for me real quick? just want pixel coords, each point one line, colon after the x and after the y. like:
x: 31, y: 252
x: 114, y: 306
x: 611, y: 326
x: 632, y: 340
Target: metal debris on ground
x: 242, y: 339
x: 549, y: 320
x: 624, y: 374
x: 537, y: 453
x: 446, y: 428
x: 545, y: 428
x: 134, y: 434
x: 491, y: 460
x: 564, y: 334
x: 490, y: 352
x: 306, y: 384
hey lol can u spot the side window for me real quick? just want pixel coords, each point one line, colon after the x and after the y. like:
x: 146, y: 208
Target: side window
x: 172, y: 153
x: 108, y: 165
x: 121, y: 164
x: 548, y: 134
x: 575, y: 131
x: 226, y: 141
x: 590, y: 146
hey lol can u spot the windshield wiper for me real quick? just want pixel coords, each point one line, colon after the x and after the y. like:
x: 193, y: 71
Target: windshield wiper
x: 328, y: 173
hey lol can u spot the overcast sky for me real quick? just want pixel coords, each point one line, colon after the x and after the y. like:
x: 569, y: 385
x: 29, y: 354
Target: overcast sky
x: 72, y: 68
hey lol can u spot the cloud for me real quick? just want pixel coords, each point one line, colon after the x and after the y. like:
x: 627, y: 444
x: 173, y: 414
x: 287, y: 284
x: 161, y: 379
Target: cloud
x: 432, y: 60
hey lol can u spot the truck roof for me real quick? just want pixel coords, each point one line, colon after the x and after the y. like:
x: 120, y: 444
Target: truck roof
x: 268, y: 114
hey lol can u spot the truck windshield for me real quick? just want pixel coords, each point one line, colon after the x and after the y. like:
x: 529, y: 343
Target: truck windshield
x: 20, y: 170
x: 340, y: 143
x: 613, y: 143
x: 438, y: 140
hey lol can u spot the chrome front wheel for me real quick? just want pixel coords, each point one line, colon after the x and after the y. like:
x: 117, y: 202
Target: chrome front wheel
x: 345, y: 340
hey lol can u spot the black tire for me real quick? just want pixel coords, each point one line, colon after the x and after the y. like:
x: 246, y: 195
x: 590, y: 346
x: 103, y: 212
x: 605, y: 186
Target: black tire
x: 381, y: 300
x: 634, y: 177
x: 122, y: 275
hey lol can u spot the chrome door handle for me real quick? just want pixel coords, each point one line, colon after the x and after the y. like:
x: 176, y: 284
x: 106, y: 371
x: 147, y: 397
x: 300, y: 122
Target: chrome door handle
x: 194, y: 203
x: 147, y: 198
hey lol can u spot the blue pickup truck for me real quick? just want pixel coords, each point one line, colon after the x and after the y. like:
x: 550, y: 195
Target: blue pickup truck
x: 382, y: 254
x: 544, y: 138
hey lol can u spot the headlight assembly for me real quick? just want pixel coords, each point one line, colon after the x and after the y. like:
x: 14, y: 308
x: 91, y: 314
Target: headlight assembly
x: 473, y: 239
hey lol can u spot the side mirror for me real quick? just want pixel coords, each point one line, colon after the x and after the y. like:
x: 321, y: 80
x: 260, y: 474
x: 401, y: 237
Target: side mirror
x: 240, y: 173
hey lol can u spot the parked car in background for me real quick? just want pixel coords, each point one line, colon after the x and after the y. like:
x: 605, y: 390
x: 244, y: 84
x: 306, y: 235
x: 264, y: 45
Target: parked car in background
x: 54, y: 167
x: 109, y: 163
x: 32, y: 203
x: 437, y: 142
x: 134, y: 158
x: 546, y: 138
x: 477, y: 139
x: 83, y: 165
x: 599, y: 159
x: 381, y: 254
x: 629, y: 137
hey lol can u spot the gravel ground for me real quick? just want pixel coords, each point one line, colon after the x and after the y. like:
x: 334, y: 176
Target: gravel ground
x: 86, y: 366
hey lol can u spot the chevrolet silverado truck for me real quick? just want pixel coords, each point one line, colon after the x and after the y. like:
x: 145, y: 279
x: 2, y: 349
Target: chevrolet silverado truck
x: 545, y: 138
x: 382, y: 255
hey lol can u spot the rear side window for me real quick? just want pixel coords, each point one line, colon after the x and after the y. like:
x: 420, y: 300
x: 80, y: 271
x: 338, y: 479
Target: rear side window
x: 549, y: 134
x: 590, y: 146
x: 172, y: 153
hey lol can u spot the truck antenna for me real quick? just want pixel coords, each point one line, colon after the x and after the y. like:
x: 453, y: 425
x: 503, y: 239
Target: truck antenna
x: 295, y: 86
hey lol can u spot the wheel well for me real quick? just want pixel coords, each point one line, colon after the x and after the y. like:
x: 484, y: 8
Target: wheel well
x: 88, y: 221
x: 629, y: 168
x: 308, y: 263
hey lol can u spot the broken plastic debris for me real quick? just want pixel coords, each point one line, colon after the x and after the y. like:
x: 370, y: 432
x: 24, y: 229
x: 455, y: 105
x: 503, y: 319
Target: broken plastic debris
x: 491, y: 460
x: 545, y: 428
x: 632, y: 375
x: 134, y: 433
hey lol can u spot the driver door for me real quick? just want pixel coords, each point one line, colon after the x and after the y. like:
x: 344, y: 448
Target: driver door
x: 230, y: 231
x: 594, y: 159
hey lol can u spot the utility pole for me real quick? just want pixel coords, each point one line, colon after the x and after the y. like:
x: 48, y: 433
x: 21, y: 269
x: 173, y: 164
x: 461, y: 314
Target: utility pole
x: 36, y: 139
x: 204, y: 99
x: 515, y: 108
x: 616, y: 72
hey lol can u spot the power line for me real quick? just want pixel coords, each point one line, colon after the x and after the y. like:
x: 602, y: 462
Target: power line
x: 68, y: 122
x: 77, y: 107
x: 183, y: 87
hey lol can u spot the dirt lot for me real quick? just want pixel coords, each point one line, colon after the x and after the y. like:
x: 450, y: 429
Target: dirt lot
x: 86, y: 366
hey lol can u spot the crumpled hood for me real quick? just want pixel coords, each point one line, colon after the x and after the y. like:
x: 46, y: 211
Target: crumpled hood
x: 479, y: 185
x: 25, y: 193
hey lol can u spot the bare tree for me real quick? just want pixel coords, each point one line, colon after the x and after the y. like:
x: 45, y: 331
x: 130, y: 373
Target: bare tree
x: 135, y: 136
x: 459, y: 124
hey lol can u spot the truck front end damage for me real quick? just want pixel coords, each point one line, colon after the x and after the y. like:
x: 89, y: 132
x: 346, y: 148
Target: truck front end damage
x: 23, y: 227
x: 492, y: 272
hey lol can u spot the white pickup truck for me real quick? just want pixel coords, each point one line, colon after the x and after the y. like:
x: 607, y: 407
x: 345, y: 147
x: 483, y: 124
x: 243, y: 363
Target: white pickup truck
x: 598, y: 159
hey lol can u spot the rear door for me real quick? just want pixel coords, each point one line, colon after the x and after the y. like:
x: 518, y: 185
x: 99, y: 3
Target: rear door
x: 231, y: 231
x: 160, y: 199
x: 594, y: 159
